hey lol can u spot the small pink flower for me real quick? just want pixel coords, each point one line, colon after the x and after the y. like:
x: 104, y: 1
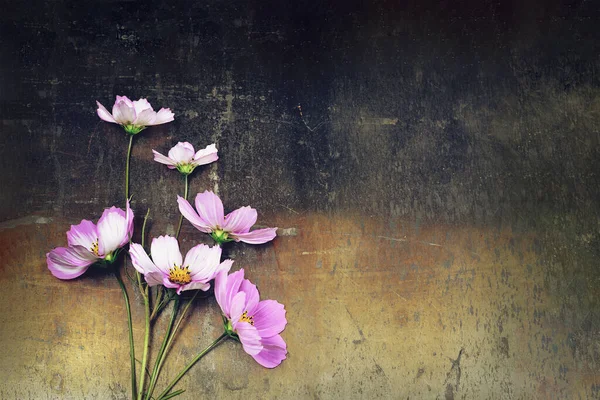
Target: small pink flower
x: 89, y: 243
x: 256, y: 323
x: 168, y: 268
x: 134, y: 116
x: 235, y: 226
x: 183, y: 157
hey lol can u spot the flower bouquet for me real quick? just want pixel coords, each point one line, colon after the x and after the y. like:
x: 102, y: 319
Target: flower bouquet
x: 163, y: 273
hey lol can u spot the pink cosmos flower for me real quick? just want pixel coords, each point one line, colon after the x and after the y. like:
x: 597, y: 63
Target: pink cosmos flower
x: 256, y: 323
x: 210, y: 218
x: 89, y: 243
x: 134, y: 116
x: 168, y: 268
x: 183, y: 157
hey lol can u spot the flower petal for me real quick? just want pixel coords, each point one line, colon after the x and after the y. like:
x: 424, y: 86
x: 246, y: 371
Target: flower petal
x: 210, y: 209
x: 238, y: 306
x: 240, y: 220
x: 249, y: 337
x: 252, y: 296
x: 140, y: 260
x: 164, y: 160
x: 191, y: 215
x: 182, y: 153
x: 104, y: 114
x: 125, y: 100
x: 206, y: 155
x: 258, y: 236
x: 194, y: 286
x: 145, y: 117
x: 154, y: 278
x: 123, y: 113
x: 165, y: 253
x: 203, y: 262
x: 114, y: 229
x: 269, y: 318
x: 141, y: 105
x: 85, y: 234
x: 163, y: 116
x: 226, y: 287
x: 273, y: 352
x: 69, y: 262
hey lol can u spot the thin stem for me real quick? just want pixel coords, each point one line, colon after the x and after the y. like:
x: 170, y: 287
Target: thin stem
x: 137, y: 274
x: 127, y: 168
x: 146, y: 342
x: 130, y: 327
x: 185, y: 195
x: 158, y: 302
x: 162, y: 352
x: 191, y: 364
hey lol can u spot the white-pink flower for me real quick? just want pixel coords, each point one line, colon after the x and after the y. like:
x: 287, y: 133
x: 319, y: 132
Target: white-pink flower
x: 89, y: 243
x: 209, y: 217
x: 183, y: 157
x: 134, y: 116
x: 167, y: 267
x: 257, y: 324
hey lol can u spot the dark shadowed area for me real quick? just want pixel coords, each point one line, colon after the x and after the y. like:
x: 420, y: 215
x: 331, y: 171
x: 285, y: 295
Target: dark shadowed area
x: 433, y: 168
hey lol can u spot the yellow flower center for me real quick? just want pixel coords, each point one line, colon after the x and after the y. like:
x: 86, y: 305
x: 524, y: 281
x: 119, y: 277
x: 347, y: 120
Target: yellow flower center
x: 246, y: 318
x: 94, y: 249
x: 180, y: 275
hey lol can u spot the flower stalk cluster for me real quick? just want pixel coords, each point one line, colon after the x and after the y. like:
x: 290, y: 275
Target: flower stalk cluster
x: 163, y: 274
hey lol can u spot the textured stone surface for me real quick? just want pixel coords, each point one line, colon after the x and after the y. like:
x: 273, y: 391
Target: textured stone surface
x: 437, y: 193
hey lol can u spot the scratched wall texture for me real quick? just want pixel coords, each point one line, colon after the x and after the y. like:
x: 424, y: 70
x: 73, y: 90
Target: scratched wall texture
x: 437, y: 198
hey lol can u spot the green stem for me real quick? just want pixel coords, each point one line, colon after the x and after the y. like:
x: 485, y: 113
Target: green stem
x: 191, y: 364
x: 162, y: 352
x: 185, y: 195
x: 130, y: 326
x: 146, y: 342
x: 127, y: 168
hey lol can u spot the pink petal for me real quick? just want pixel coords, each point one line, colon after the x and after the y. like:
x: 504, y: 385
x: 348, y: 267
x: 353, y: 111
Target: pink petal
x: 104, y: 114
x: 195, y: 286
x: 125, y: 100
x: 140, y: 260
x: 269, y: 318
x: 182, y: 153
x: 123, y: 113
x: 252, y: 296
x: 114, y: 229
x: 273, y: 352
x: 163, y: 116
x: 85, y: 234
x: 69, y: 262
x: 224, y: 266
x: 249, y: 337
x: 226, y: 287
x: 210, y: 209
x: 203, y: 262
x: 165, y: 253
x: 237, y: 308
x: 145, y: 117
x: 141, y: 105
x: 190, y: 214
x: 206, y: 155
x: 154, y: 278
x: 240, y: 220
x: 164, y: 160
x: 258, y: 236
x: 221, y: 291
x: 171, y: 285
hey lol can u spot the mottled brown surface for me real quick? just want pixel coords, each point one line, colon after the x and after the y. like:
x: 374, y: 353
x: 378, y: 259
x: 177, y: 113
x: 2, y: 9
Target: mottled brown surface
x: 376, y: 309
